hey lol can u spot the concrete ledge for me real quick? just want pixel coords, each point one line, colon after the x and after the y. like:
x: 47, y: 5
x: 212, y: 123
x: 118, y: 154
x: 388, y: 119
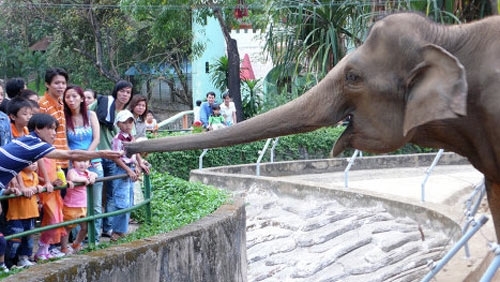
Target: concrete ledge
x: 211, y: 249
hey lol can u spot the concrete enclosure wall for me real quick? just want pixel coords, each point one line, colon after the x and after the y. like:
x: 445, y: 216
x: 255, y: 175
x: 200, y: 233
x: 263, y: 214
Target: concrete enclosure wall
x: 211, y: 249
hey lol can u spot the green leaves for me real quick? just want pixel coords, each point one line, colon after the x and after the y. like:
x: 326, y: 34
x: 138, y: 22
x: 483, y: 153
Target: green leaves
x: 177, y: 202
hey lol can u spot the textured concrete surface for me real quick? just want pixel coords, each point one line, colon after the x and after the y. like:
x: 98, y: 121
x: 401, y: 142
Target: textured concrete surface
x: 295, y: 232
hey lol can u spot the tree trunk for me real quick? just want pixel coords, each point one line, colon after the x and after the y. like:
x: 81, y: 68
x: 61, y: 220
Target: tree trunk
x: 233, y: 56
x: 234, y: 82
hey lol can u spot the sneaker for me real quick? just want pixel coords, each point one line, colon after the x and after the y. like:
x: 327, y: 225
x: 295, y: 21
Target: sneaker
x: 117, y: 236
x: 55, y: 253
x: 24, y: 262
x: 4, y: 268
x: 42, y: 257
x: 68, y: 250
x: 107, y: 234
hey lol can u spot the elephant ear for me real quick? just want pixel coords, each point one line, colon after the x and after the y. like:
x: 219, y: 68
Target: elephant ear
x: 437, y: 88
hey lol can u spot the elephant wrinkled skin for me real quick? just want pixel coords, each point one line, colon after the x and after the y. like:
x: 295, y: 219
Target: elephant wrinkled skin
x: 412, y: 80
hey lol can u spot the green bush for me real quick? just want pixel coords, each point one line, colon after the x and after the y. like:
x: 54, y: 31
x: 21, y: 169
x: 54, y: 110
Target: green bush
x: 177, y: 202
x: 312, y: 145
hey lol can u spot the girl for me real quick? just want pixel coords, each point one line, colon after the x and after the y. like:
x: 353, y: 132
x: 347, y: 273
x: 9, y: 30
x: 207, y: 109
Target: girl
x: 75, y: 203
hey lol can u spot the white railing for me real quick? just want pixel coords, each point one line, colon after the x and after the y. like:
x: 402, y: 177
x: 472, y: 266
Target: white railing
x: 184, y: 115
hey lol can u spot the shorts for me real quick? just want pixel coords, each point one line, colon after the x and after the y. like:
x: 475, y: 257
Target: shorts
x: 70, y: 213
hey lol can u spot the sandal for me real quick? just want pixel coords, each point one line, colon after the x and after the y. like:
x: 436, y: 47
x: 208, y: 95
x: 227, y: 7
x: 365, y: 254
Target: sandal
x: 117, y: 236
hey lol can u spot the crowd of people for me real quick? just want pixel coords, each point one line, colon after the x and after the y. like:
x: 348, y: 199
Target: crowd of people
x: 80, y: 133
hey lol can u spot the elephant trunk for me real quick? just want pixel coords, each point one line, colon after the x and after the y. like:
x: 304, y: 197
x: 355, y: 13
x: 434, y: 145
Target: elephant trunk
x: 312, y: 110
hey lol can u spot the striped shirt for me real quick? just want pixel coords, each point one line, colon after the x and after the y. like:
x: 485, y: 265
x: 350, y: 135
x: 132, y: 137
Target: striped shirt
x: 20, y: 153
x: 55, y: 108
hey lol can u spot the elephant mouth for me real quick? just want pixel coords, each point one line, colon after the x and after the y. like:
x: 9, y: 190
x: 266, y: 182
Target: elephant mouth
x: 344, y: 141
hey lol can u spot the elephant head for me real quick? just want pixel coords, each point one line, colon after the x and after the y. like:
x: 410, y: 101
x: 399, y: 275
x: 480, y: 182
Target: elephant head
x: 412, y: 80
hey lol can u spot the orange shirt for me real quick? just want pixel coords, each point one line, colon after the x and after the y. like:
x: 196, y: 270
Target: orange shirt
x: 55, y: 108
x: 23, y: 207
x: 17, y: 134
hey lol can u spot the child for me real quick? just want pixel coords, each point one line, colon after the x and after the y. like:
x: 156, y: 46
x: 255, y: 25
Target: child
x: 216, y: 120
x: 20, y: 111
x: 123, y: 188
x: 75, y: 203
x: 151, y: 124
x: 52, y: 206
x: 21, y: 217
x: 3, y: 243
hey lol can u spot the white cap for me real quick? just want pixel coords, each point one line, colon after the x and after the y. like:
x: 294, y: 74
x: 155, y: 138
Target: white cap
x: 123, y: 116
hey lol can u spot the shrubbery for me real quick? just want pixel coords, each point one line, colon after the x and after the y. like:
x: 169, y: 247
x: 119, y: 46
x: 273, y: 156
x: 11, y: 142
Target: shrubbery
x: 311, y: 145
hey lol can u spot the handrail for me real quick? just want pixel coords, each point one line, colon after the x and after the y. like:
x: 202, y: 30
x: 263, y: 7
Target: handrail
x: 494, y: 265
x: 175, y: 117
x: 349, y: 165
x: 428, y: 173
x: 436, y: 267
x: 261, y: 155
x: 200, y: 158
x: 471, y: 208
x: 91, y: 217
x: 275, y: 143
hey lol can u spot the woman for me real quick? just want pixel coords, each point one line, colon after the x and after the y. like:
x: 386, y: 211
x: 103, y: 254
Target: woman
x: 90, y: 97
x: 83, y: 132
x: 139, y: 108
x: 106, y: 109
x: 228, y: 110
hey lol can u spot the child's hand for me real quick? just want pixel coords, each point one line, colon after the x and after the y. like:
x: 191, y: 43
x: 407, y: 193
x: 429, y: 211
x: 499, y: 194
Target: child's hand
x: 28, y: 191
x: 92, y: 178
x: 50, y: 187
x: 58, y: 182
x: 145, y: 167
x: 71, y: 185
x: 12, y: 190
x: 39, y: 188
x: 132, y: 175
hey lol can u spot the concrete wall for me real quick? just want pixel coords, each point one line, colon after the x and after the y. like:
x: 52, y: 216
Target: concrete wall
x: 211, y: 249
x: 241, y: 177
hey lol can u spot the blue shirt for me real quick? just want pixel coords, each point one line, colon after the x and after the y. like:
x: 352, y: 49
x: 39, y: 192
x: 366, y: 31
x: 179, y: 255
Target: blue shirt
x: 5, y: 131
x: 20, y: 153
x: 205, y: 112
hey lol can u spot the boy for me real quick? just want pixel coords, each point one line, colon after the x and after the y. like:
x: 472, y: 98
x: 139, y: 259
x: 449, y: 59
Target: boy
x: 123, y: 188
x: 21, y: 217
x: 20, y: 112
x: 19, y: 153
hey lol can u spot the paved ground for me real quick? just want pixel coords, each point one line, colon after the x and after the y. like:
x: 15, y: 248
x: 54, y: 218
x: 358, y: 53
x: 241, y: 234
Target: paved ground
x: 286, y: 227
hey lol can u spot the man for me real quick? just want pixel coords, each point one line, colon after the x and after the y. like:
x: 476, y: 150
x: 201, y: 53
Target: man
x: 25, y: 150
x: 206, y: 109
x: 51, y: 103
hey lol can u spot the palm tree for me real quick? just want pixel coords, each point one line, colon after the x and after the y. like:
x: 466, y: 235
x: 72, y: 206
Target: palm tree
x: 219, y: 73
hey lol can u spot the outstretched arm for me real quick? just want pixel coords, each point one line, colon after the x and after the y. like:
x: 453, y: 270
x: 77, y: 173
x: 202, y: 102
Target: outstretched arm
x: 82, y: 155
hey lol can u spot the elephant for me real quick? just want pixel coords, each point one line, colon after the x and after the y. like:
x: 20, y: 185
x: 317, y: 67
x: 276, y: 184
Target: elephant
x: 411, y: 81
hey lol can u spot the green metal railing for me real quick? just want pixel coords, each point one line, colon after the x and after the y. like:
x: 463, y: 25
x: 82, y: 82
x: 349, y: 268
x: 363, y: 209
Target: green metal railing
x: 91, y: 217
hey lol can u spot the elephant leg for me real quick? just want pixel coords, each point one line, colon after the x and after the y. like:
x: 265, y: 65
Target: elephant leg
x: 493, y: 194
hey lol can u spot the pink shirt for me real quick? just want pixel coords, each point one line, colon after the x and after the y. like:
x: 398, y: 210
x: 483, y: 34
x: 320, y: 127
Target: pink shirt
x: 76, y: 197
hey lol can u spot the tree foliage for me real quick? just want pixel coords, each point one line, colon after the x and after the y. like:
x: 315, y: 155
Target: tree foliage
x: 312, y: 36
x: 96, y: 41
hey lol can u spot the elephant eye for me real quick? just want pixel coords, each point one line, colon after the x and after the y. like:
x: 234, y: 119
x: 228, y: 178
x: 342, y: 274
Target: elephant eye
x: 351, y: 77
